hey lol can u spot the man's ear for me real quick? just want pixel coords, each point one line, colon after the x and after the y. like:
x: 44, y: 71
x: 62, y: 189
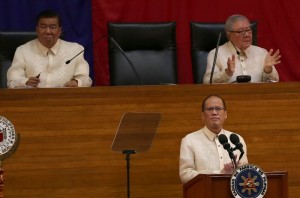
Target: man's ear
x: 225, y: 114
x: 227, y: 33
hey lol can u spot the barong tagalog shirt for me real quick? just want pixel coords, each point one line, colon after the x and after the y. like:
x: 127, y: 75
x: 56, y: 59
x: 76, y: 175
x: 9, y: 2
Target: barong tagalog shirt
x: 201, y: 152
x: 33, y: 59
x: 250, y: 62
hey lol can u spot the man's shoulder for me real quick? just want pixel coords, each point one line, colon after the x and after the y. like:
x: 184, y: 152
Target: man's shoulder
x: 29, y: 44
x: 195, y: 133
x: 70, y: 44
x: 222, y: 49
x: 228, y: 133
x: 257, y: 48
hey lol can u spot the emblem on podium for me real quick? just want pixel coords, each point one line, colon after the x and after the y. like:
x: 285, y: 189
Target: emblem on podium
x: 9, y: 142
x: 248, y: 181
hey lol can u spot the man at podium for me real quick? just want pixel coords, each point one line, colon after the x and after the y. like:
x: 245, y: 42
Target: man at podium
x: 202, y: 152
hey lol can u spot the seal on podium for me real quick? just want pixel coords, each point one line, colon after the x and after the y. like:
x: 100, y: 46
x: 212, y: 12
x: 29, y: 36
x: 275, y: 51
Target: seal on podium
x: 248, y: 181
x: 9, y: 140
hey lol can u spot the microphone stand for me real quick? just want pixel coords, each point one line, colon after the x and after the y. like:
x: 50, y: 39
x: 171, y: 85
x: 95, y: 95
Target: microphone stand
x: 215, y: 58
x: 128, y: 152
x: 234, y: 161
x: 232, y: 157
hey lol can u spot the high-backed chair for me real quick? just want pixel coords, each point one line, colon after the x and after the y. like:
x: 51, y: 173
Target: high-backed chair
x: 204, y: 37
x: 9, y: 41
x: 142, y: 53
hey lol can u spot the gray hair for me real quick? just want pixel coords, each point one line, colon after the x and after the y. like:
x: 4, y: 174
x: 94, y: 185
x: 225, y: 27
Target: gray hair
x: 232, y: 19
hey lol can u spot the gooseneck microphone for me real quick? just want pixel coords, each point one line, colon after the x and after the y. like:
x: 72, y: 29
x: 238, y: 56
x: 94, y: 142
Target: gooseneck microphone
x: 238, y: 145
x: 215, y: 59
x: 224, y: 141
x: 240, y: 78
x: 128, y: 60
x: 68, y: 61
x: 102, y: 37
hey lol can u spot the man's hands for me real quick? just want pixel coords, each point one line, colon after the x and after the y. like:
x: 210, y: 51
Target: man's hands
x: 271, y: 59
x: 230, y: 65
x: 33, y: 81
x: 72, y: 83
x: 228, y: 169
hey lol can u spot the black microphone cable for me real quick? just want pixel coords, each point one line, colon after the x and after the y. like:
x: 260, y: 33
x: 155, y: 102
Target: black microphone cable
x: 237, y: 51
x: 130, y: 63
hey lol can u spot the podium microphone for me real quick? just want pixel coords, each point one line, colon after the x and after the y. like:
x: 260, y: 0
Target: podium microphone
x: 238, y: 145
x: 130, y: 63
x: 93, y: 43
x: 224, y: 141
x: 215, y: 58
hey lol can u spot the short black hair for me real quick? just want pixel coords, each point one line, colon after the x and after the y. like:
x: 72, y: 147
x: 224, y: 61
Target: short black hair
x: 212, y: 95
x: 49, y: 14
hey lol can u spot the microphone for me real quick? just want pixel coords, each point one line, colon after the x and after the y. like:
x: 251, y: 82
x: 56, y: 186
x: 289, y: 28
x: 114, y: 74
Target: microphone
x: 240, y: 78
x: 128, y: 60
x: 224, y: 141
x: 68, y: 61
x: 238, y: 145
x: 215, y: 58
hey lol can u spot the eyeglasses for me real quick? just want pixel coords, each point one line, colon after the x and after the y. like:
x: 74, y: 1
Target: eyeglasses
x: 243, y: 32
x: 211, y: 109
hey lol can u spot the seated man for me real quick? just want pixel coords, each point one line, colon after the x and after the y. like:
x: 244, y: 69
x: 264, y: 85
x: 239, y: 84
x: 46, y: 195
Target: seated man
x: 201, y: 151
x: 42, y: 61
x: 239, y: 57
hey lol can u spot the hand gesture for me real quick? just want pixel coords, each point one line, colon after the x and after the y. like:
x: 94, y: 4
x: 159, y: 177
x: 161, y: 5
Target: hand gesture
x: 271, y: 59
x: 230, y: 65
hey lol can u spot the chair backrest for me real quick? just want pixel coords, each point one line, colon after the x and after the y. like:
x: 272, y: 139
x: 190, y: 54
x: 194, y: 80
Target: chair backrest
x: 149, y: 49
x: 204, y: 37
x: 9, y: 41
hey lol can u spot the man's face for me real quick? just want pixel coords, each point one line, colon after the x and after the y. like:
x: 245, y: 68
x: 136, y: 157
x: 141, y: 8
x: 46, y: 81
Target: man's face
x: 214, y: 114
x: 48, y: 31
x: 241, y: 34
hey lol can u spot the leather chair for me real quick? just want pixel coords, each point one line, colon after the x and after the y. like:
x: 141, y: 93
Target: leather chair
x: 9, y: 41
x: 204, y: 37
x: 142, y: 53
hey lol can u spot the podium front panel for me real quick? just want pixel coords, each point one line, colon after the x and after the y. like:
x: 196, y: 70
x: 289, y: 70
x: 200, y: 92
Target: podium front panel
x: 218, y: 185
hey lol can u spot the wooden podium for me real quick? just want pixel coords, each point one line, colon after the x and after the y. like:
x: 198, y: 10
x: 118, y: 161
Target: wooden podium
x: 218, y: 185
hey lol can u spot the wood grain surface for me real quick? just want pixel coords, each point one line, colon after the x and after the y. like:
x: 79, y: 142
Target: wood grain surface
x: 67, y: 133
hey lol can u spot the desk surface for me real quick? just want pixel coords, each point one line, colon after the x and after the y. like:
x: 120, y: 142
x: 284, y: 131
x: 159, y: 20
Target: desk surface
x: 65, y: 150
